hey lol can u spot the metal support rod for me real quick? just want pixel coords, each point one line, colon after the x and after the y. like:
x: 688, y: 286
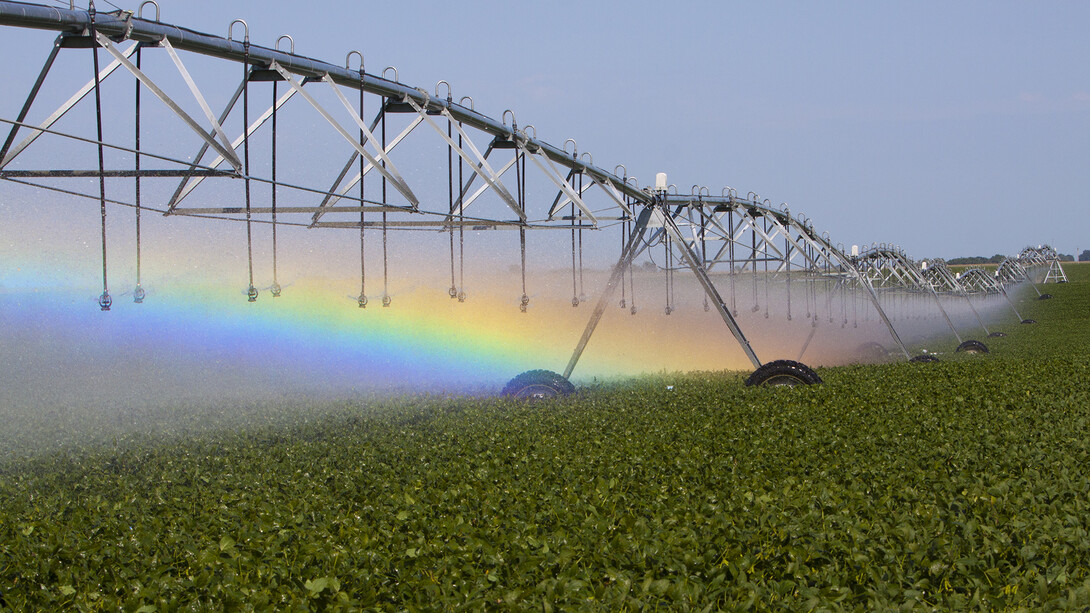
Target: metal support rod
x: 709, y: 287
x: 104, y: 301
x: 30, y: 98
x: 461, y: 231
x: 805, y: 345
x: 623, y: 262
x: 938, y: 302
x: 362, y: 300
x: 138, y: 291
x: 112, y: 173
x: 251, y: 291
x: 976, y: 314
x: 450, y: 205
x: 1011, y: 302
x: 385, y: 263
x: 275, y: 289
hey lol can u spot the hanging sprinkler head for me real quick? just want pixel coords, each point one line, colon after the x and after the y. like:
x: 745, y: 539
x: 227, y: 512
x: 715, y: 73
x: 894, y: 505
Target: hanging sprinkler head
x: 104, y: 301
x: 251, y: 294
x: 524, y: 302
x: 139, y: 294
x: 386, y: 300
x: 453, y: 291
x: 276, y: 289
x: 362, y: 301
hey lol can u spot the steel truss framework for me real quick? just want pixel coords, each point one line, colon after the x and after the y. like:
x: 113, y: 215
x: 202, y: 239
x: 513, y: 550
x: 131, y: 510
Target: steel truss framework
x: 500, y: 175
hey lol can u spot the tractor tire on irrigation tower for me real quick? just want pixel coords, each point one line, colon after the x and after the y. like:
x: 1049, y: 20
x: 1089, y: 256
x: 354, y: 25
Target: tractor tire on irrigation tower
x: 783, y: 372
x: 537, y: 385
x: 924, y: 358
x: 971, y: 346
x: 871, y: 352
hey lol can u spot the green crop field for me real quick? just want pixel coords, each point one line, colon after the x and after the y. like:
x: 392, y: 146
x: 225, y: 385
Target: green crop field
x: 963, y: 484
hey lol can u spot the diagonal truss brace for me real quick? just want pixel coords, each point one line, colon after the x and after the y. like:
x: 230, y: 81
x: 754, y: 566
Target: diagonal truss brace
x: 481, y: 167
x: 201, y: 101
x: 190, y: 183
x: 464, y: 203
x: 701, y: 274
x: 554, y: 176
x: 161, y: 95
x: 387, y: 168
x: 63, y: 109
x: 178, y: 192
x: 399, y: 184
x: 625, y: 260
x: 614, y: 194
x: 329, y: 201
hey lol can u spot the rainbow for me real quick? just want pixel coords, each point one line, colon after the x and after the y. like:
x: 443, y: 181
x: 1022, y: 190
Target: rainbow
x: 315, y: 337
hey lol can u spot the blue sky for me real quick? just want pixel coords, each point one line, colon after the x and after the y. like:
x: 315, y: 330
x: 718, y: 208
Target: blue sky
x: 949, y: 129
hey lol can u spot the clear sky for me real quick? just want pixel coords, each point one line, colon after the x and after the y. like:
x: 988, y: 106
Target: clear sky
x: 951, y: 129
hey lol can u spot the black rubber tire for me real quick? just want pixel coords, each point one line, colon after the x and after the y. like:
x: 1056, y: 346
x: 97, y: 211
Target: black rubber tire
x: 924, y: 358
x: 783, y: 372
x: 1029, y: 321
x: 971, y: 346
x: 871, y: 352
x: 1044, y: 297
x: 538, y: 385
x: 997, y: 335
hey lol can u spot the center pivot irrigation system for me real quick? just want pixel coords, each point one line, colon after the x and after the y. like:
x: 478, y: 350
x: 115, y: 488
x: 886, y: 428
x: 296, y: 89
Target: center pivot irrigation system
x: 394, y: 140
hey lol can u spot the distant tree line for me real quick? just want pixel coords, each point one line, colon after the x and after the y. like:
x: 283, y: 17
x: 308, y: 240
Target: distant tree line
x: 997, y: 258
x: 1085, y: 256
x: 977, y: 259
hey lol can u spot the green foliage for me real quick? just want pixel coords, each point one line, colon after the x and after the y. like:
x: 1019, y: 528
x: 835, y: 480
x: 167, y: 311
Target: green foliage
x: 1078, y: 272
x: 956, y: 485
x: 976, y: 259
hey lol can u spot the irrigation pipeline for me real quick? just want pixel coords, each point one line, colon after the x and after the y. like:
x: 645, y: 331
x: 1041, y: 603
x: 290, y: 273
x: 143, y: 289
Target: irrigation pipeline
x: 705, y: 233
